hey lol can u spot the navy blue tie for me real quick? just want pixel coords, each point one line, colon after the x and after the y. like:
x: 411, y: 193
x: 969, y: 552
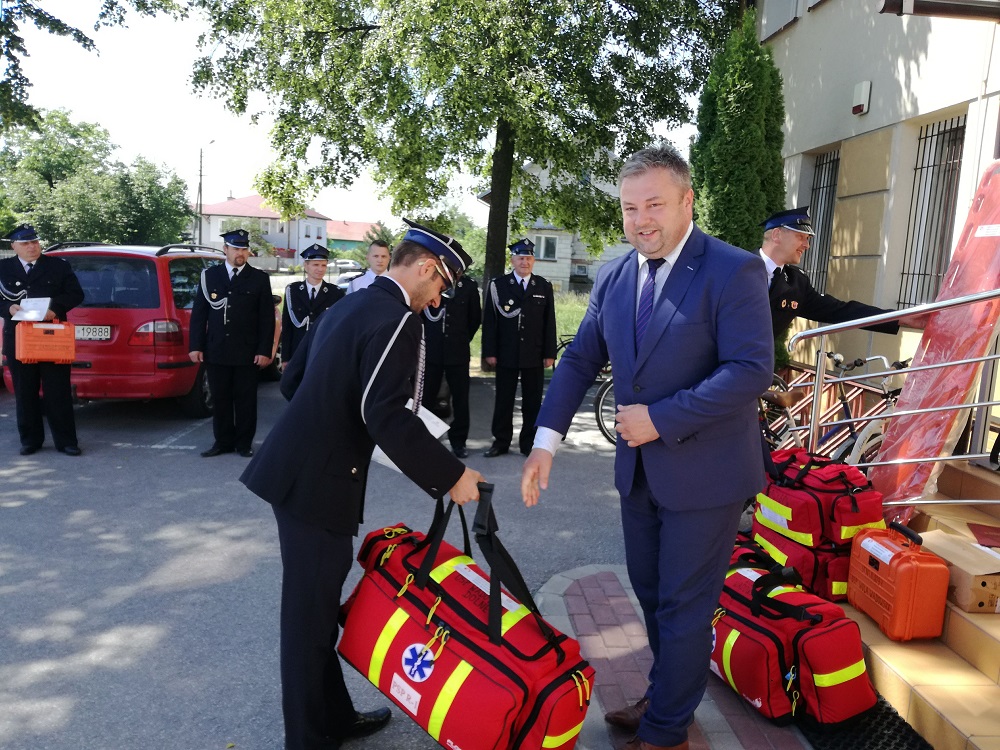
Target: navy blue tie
x: 645, y: 311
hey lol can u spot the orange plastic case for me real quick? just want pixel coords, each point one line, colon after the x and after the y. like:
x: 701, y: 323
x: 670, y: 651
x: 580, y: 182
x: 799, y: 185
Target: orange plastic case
x: 45, y: 342
x: 902, y: 588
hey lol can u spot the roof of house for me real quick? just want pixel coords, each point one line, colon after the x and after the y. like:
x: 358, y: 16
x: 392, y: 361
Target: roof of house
x: 252, y: 206
x: 354, y: 231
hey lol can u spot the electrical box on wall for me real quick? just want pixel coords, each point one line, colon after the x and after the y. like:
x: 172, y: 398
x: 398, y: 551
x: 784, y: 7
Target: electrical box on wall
x: 862, y: 96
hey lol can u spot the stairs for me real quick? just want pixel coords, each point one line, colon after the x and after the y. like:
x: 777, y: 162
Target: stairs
x: 947, y: 689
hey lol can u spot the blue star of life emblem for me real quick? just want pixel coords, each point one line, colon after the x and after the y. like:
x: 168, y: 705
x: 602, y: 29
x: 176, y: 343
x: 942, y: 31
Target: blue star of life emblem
x: 418, y: 662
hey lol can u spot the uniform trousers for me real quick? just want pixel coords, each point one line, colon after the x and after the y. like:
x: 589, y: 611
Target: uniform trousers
x: 316, y: 706
x: 234, y: 404
x: 676, y: 561
x: 532, y: 384
x: 458, y: 383
x: 56, y: 404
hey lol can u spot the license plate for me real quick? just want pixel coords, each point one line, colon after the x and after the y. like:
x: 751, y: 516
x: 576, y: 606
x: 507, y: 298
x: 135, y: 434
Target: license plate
x: 93, y: 333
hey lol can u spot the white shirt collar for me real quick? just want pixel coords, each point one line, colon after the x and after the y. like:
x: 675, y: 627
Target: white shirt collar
x: 522, y: 280
x: 24, y: 264
x: 310, y: 285
x: 406, y: 297
x: 768, y: 263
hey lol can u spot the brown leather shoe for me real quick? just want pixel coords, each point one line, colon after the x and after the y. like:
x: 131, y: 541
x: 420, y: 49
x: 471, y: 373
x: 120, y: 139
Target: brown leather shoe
x: 628, y: 718
x: 636, y: 744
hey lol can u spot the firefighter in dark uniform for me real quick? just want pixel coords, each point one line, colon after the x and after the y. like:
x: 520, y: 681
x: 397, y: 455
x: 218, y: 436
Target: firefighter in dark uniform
x: 362, y: 371
x: 232, y: 332
x: 519, y: 339
x: 787, y: 235
x: 306, y: 300
x: 31, y: 275
x: 448, y: 331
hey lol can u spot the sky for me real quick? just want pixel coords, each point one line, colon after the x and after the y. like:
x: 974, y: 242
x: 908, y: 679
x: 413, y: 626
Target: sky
x: 138, y: 88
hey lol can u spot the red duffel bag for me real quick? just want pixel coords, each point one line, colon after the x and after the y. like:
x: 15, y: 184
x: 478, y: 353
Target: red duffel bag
x: 475, y: 665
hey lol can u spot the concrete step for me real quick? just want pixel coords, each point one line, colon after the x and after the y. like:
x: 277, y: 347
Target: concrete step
x: 947, y: 688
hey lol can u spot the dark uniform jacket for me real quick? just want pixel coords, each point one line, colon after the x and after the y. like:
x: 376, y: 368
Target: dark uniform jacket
x: 360, y: 362
x: 521, y: 340
x: 300, y: 313
x: 233, y: 321
x: 792, y: 296
x: 50, y: 277
x: 449, y: 328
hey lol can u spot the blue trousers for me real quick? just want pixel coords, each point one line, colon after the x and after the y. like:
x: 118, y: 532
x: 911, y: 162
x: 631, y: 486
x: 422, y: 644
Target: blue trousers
x: 677, y: 561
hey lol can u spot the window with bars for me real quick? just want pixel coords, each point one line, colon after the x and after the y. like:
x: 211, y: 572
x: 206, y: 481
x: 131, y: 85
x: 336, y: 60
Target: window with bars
x: 932, y: 210
x: 816, y: 261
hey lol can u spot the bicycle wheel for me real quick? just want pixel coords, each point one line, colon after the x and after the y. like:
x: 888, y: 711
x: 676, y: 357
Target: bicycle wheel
x: 604, y: 410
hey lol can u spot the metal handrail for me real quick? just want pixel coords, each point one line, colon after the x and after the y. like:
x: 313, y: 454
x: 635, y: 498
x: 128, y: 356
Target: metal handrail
x: 823, y: 331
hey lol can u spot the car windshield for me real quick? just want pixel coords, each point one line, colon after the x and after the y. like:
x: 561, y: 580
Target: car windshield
x: 185, y: 276
x: 116, y: 281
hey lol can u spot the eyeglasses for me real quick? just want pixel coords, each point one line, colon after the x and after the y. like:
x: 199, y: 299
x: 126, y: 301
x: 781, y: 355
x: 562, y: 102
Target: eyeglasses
x: 447, y: 275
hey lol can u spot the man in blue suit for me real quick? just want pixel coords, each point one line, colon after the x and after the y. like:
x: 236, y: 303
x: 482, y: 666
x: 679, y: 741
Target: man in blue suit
x: 685, y: 323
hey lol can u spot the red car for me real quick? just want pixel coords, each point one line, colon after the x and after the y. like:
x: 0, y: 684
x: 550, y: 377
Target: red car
x: 133, y: 327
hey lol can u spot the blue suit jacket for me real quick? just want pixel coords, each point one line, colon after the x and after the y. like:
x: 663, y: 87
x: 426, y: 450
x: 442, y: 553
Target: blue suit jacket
x: 706, y: 356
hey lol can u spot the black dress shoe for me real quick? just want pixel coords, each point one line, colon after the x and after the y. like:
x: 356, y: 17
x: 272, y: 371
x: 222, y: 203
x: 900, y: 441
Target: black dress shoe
x: 495, y: 450
x: 460, y: 452
x: 246, y: 453
x: 27, y: 450
x: 215, y: 451
x: 71, y: 450
x: 368, y: 722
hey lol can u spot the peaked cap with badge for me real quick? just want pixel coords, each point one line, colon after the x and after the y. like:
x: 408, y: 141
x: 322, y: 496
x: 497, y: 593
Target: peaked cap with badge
x: 795, y: 219
x: 237, y: 238
x: 23, y: 233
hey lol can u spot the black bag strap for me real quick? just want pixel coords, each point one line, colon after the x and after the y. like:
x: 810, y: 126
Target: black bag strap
x: 434, y: 537
x: 767, y: 583
x: 504, y: 570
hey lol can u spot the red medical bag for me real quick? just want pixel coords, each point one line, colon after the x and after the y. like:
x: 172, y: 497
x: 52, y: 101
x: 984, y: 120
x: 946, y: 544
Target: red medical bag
x: 790, y: 654
x: 823, y: 569
x: 473, y: 664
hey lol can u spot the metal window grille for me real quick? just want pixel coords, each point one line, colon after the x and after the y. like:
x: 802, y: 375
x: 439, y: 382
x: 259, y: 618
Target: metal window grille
x: 932, y: 210
x: 816, y: 262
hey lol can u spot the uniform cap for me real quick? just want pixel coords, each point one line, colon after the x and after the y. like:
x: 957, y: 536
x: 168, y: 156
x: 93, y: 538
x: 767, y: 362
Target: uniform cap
x: 522, y: 247
x: 796, y: 219
x: 236, y: 238
x: 447, y: 248
x: 315, y: 251
x: 23, y: 233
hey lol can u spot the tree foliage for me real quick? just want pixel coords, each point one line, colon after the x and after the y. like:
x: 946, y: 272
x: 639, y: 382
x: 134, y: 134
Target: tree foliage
x: 419, y: 90
x: 15, y: 108
x: 62, y: 179
x: 736, y: 160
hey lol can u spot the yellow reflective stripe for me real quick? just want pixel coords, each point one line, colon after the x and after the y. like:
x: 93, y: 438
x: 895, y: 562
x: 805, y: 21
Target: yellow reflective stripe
x: 773, y: 551
x: 848, y: 532
x: 782, y: 510
x: 840, y: 676
x: 778, y: 591
x: 446, y: 568
x: 727, y: 652
x: 799, y: 536
x: 838, y: 587
x: 512, y: 618
x: 446, y: 697
x: 385, y: 639
x: 559, y: 740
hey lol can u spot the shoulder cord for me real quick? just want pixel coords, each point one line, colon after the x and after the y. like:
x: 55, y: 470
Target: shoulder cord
x: 12, y: 296
x: 291, y: 310
x: 221, y: 304
x: 496, y: 303
x: 418, y: 386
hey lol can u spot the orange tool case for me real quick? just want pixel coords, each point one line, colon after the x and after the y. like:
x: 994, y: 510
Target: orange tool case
x: 45, y: 342
x: 902, y: 588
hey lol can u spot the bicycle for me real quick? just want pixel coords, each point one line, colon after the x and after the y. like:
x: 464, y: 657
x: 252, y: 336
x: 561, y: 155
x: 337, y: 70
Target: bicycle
x: 868, y: 441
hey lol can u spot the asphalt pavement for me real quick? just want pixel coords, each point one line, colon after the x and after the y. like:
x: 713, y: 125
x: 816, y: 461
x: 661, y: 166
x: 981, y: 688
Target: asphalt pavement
x: 140, y: 583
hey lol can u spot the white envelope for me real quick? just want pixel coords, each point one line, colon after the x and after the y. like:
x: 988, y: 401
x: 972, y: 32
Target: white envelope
x: 32, y: 309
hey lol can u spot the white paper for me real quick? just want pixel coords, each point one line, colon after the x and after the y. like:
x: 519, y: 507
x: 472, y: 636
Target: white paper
x: 33, y: 309
x: 436, y: 427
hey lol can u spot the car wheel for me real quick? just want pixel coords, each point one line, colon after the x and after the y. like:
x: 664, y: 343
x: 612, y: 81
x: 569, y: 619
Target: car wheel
x: 197, y: 403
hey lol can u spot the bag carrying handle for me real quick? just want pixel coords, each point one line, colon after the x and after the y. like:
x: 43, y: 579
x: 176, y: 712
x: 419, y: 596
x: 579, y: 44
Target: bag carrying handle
x: 909, y: 533
x: 435, y: 535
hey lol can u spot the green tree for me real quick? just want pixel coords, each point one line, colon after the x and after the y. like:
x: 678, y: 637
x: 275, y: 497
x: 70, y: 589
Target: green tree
x: 62, y: 179
x: 421, y: 91
x: 736, y: 160
x: 258, y: 245
x: 14, y: 106
x: 379, y: 231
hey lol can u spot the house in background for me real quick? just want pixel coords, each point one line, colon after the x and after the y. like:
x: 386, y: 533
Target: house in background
x: 288, y: 237
x: 890, y: 122
x: 342, y: 236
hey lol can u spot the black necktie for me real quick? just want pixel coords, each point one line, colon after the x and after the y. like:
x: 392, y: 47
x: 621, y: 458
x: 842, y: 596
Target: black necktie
x: 235, y: 272
x: 774, y: 277
x: 312, y: 294
x: 27, y: 267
